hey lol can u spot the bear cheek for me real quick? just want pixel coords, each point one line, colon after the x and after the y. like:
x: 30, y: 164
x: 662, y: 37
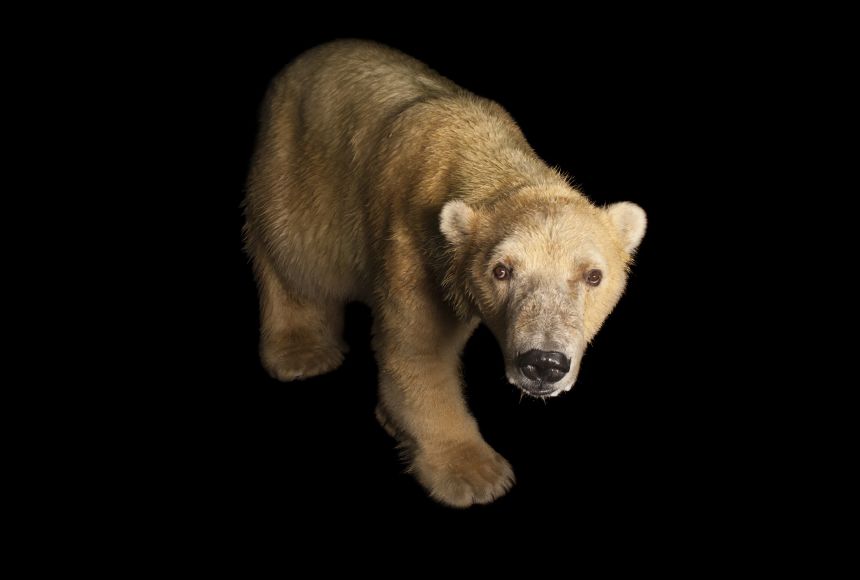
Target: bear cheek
x: 496, y: 320
x: 598, y: 305
x: 495, y: 316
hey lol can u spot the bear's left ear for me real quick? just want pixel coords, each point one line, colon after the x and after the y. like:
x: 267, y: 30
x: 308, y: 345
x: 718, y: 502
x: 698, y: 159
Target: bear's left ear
x: 629, y: 220
x: 456, y: 221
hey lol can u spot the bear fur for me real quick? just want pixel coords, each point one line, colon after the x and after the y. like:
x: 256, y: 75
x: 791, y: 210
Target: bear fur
x: 375, y: 179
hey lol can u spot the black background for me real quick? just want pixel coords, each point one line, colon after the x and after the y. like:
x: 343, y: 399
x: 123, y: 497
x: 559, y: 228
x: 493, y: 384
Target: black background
x: 645, y: 115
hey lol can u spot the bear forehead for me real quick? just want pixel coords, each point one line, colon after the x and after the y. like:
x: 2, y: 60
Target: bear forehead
x: 544, y: 212
x: 534, y: 249
x: 567, y: 224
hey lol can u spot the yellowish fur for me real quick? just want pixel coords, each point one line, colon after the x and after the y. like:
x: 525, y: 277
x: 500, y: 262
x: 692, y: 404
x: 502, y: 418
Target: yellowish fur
x: 376, y: 179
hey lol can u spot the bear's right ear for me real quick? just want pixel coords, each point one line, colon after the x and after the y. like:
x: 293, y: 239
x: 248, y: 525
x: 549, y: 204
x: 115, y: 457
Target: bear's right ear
x: 456, y: 221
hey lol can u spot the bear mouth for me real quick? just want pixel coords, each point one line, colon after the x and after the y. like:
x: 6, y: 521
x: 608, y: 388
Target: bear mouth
x: 539, y: 389
x: 536, y: 389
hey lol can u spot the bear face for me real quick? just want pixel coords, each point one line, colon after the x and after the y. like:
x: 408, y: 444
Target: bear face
x: 543, y: 269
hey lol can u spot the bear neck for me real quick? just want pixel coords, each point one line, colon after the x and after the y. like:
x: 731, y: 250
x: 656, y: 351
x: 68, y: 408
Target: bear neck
x: 514, y: 171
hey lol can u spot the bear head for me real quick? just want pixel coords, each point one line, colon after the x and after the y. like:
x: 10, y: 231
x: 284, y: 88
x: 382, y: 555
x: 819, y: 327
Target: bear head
x: 543, y: 268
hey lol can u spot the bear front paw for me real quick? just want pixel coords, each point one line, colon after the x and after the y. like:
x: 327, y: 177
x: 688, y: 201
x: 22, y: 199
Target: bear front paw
x: 463, y: 474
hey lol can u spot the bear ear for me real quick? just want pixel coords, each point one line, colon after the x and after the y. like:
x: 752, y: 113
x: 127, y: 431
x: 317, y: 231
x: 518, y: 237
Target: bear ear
x: 629, y: 220
x: 456, y: 221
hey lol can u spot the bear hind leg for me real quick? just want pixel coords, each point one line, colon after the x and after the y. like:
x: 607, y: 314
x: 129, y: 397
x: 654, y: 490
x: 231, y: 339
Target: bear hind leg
x: 299, y: 337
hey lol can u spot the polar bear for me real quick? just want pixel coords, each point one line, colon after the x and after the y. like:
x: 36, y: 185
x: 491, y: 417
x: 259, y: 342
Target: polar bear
x: 376, y: 179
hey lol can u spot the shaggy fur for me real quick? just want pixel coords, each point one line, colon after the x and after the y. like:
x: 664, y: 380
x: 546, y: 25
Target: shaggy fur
x: 376, y: 179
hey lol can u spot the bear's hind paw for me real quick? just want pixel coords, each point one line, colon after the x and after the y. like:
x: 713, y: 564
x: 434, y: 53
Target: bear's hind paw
x: 292, y: 364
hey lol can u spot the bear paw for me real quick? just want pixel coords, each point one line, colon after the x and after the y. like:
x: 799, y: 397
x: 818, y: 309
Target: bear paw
x: 464, y: 474
x: 291, y: 363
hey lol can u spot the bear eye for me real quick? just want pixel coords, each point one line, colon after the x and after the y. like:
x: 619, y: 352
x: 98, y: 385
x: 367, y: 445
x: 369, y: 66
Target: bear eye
x: 501, y: 272
x: 593, y: 277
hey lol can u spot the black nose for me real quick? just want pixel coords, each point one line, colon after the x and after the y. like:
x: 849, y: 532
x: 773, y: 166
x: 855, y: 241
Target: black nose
x: 541, y: 365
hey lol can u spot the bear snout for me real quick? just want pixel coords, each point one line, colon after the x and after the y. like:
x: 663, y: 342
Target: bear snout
x: 543, y: 366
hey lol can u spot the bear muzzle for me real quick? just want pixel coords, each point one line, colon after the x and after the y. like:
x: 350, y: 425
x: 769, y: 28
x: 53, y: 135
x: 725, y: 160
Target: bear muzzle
x: 542, y: 369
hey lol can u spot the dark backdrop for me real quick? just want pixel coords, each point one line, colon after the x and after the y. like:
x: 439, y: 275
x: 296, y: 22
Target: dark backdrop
x: 638, y: 115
